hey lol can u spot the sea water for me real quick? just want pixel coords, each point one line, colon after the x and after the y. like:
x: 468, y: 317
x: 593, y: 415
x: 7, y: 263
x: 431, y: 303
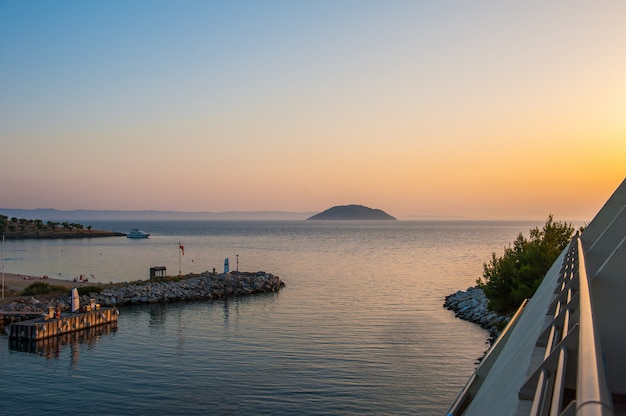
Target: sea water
x: 358, y: 329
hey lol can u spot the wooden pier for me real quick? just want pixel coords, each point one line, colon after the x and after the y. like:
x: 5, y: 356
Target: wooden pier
x: 47, y: 327
x: 51, y: 347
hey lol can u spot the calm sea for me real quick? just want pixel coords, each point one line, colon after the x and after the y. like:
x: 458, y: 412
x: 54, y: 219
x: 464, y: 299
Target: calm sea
x: 359, y: 328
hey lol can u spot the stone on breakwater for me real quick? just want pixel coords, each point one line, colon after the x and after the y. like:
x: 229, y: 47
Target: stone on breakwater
x: 206, y: 286
x: 203, y: 287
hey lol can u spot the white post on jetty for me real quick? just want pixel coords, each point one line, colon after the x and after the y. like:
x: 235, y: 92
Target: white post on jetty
x: 75, y: 300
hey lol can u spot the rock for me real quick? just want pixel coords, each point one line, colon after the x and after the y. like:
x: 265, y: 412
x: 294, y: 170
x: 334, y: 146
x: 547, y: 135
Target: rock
x: 471, y: 306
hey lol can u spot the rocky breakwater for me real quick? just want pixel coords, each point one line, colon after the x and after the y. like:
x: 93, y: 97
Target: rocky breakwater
x: 206, y: 286
x: 471, y: 305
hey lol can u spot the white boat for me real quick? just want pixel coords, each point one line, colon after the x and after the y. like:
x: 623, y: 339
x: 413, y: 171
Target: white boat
x: 135, y: 233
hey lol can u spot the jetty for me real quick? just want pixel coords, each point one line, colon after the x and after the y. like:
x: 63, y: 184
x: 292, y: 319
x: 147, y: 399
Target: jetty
x: 36, y: 319
x: 50, y: 347
x: 562, y: 353
x: 205, y: 286
x: 53, y: 323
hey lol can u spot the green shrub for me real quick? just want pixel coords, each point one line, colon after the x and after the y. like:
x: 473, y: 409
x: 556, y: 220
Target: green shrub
x: 43, y: 288
x: 86, y: 290
x: 516, y: 275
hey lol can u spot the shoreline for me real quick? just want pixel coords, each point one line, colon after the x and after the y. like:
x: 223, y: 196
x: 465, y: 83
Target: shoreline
x: 61, y: 235
x: 16, y: 282
x: 471, y: 305
x: 192, y: 287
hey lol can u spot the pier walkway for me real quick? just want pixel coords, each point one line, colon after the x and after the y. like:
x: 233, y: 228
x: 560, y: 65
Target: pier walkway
x: 48, y: 326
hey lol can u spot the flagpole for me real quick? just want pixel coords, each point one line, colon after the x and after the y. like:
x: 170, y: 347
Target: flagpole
x: 3, y: 266
x: 180, y: 273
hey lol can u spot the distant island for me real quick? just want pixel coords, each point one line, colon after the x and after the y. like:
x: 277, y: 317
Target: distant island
x: 20, y: 228
x: 352, y: 212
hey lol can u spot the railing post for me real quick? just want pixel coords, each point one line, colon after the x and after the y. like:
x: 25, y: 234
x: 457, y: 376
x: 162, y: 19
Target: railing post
x: 559, y: 383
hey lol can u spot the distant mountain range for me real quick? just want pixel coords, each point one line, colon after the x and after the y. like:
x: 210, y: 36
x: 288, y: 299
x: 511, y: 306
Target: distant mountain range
x: 49, y: 214
x: 352, y: 212
x: 340, y: 212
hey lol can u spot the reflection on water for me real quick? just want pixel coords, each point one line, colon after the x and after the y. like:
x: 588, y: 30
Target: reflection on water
x: 51, y: 348
x: 157, y: 315
x: 359, y: 328
x: 226, y: 313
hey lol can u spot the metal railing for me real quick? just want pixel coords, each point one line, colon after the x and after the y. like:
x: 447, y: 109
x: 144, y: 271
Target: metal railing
x: 572, y: 344
x: 593, y: 396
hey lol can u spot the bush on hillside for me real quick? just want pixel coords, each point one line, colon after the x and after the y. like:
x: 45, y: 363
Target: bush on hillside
x: 516, y: 275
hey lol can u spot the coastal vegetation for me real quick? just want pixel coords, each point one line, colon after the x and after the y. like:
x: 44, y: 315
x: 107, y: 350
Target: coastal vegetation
x: 43, y: 288
x: 28, y: 228
x: 509, y: 279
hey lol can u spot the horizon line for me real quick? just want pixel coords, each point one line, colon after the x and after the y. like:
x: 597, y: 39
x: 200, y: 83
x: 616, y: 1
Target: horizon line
x: 240, y: 215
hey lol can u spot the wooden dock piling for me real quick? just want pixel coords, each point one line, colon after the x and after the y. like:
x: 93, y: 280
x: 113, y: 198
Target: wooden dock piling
x: 45, y: 327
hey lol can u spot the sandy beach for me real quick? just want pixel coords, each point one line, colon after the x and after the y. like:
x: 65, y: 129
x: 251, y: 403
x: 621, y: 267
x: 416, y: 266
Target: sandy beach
x: 18, y: 282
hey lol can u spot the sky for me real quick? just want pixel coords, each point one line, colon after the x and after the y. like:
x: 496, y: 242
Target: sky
x: 424, y: 109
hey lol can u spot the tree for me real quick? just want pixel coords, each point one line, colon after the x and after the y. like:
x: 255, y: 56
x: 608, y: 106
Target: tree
x: 3, y: 222
x: 516, y: 275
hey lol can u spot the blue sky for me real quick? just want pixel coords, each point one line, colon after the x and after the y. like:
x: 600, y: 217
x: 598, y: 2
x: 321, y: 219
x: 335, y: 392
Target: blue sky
x: 419, y: 108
